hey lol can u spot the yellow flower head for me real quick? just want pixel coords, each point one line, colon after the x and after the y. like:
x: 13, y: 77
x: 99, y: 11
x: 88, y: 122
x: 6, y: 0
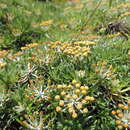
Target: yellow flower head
x: 58, y: 109
x: 85, y: 110
x: 74, y: 115
x: 57, y: 97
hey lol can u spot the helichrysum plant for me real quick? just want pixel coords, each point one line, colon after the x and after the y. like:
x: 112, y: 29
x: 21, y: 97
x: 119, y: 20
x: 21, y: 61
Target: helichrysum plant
x: 72, y: 98
x: 122, y: 116
x: 34, y: 121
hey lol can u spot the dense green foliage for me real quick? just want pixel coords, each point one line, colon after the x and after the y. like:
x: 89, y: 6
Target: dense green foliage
x: 51, y: 47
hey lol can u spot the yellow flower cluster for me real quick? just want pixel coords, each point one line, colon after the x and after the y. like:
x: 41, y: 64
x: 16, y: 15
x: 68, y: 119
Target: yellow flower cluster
x: 55, y: 45
x: 113, y: 35
x: 29, y: 46
x: 122, y: 6
x: 104, y: 70
x: 79, y: 48
x: 45, y: 23
x: 19, y: 53
x: 73, y: 98
x: 3, y: 53
x: 125, y: 14
x: 122, y: 116
x: 77, y: 51
x: 88, y: 43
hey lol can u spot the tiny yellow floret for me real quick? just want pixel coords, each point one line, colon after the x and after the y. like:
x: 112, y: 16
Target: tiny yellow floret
x: 74, y: 115
x: 58, y: 109
x: 77, y: 85
x: 85, y: 110
x: 77, y: 91
x: 79, y: 106
x: 61, y: 103
x: 57, y: 97
x: 74, y: 82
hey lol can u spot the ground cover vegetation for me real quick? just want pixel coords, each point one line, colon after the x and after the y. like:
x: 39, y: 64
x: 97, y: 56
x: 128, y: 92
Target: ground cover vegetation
x: 64, y: 65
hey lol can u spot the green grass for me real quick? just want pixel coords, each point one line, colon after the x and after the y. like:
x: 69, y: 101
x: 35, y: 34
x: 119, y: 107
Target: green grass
x: 27, y: 80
